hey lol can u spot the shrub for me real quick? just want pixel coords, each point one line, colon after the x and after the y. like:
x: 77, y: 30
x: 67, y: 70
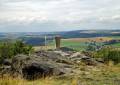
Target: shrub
x: 108, y: 54
x: 21, y: 48
x: 10, y: 49
x: 6, y: 50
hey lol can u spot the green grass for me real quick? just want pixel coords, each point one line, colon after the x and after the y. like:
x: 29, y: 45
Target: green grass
x: 115, y: 37
x: 79, y: 46
x: 75, y: 45
x: 116, y: 45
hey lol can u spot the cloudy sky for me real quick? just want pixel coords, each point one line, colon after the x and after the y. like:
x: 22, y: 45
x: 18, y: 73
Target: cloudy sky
x: 58, y: 15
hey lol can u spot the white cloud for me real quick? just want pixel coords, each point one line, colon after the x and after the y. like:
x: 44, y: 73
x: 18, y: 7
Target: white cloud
x: 65, y: 13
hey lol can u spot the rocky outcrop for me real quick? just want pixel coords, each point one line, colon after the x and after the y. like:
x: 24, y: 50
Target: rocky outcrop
x: 31, y: 67
x: 78, y: 57
x: 47, y: 63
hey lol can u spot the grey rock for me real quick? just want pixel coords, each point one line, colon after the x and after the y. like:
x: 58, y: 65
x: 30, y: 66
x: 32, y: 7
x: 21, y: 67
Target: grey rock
x: 31, y: 67
x: 78, y: 57
x: 7, y: 62
x: 48, y: 63
x: 100, y: 60
x: 5, y: 70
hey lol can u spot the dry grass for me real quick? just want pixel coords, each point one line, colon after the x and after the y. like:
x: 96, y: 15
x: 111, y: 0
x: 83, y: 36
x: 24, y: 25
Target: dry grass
x: 97, y: 39
x: 45, y: 81
x: 107, y: 75
x: 38, y: 48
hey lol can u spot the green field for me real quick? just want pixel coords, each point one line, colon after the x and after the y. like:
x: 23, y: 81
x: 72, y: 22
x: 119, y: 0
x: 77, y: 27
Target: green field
x: 78, y: 46
x: 81, y: 45
x: 74, y: 45
x: 115, y: 37
x: 115, y: 45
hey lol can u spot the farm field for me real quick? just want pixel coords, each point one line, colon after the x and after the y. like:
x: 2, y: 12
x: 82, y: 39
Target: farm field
x: 115, y: 45
x: 71, y: 44
x: 80, y: 44
x: 96, y: 39
x: 115, y: 37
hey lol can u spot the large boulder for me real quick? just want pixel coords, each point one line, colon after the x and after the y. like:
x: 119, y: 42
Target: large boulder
x: 79, y: 57
x: 50, y: 55
x: 31, y: 67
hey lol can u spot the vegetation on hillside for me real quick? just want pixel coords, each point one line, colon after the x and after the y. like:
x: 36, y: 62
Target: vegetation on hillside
x: 108, y: 54
x: 10, y: 49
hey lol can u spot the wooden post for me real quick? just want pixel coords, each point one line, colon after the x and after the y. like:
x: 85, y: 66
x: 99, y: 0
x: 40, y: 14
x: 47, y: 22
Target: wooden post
x: 58, y: 41
x: 45, y: 42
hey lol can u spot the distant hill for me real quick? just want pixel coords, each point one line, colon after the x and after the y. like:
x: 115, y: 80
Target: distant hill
x: 87, y: 33
x: 37, y: 38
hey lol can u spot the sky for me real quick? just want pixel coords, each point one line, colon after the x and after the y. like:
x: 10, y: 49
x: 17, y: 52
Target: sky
x: 58, y: 15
